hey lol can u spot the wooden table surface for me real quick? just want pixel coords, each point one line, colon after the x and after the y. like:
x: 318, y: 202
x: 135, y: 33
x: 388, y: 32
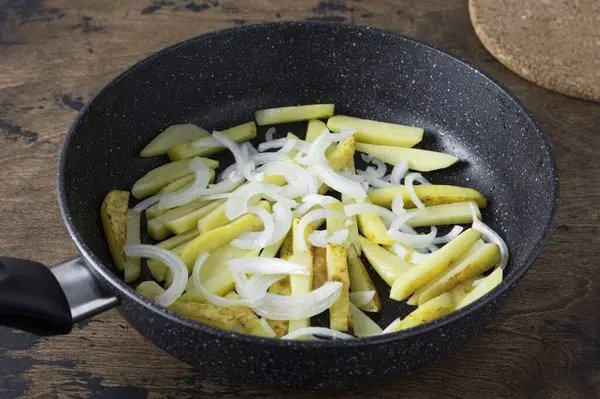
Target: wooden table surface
x: 545, y: 343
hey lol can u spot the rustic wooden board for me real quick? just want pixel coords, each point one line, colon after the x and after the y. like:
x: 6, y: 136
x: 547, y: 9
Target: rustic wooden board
x: 53, y: 54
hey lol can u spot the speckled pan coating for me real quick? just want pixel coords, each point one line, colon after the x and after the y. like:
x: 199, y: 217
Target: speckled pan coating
x: 220, y: 79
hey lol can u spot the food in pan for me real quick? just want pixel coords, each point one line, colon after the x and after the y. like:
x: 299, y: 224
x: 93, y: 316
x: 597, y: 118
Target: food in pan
x: 293, y: 228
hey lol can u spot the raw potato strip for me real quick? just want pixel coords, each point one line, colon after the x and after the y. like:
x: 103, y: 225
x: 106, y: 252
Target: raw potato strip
x: 301, y: 284
x: 374, y: 132
x: 363, y: 326
x: 483, y: 259
x: 133, y: 265
x: 431, y: 310
x: 248, y: 319
x: 274, y: 116
x: 184, y: 222
x: 244, y: 132
x: 372, y: 227
x: 337, y: 270
x: 212, y: 220
x: 429, y: 194
x: 113, y: 213
x: 438, y: 215
x: 339, y: 158
x: 178, y: 239
x: 172, y: 135
x: 461, y: 290
x: 216, y: 238
x: 159, y: 269
x: 419, y: 160
x: 157, y: 228
x: 387, y: 265
x: 282, y: 287
x: 314, y: 129
x: 203, y: 312
x: 319, y: 266
x: 361, y: 281
x: 158, y: 178
x: 420, y: 274
x: 484, y: 286
x: 177, y: 185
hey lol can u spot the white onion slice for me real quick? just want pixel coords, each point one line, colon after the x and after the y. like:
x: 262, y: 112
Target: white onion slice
x: 398, y: 172
x: 361, y: 298
x: 357, y: 209
x: 216, y: 196
x: 380, y: 169
x: 455, y: 232
x: 176, y: 265
x: 319, y: 238
x: 408, y: 182
x: 320, y: 331
x: 490, y: 235
x: 310, y: 200
x: 237, y: 204
x: 391, y: 326
x: 206, y: 142
x: 270, y: 133
x: 310, y: 217
x: 398, y: 204
x: 268, y: 329
x: 147, y: 203
x: 301, y: 306
x: 264, y: 237
x: 255, y: 288
x: 258, y: 265
x: 209, y: 296
x: 400, y: 251
x: 366, y: 158
x: 193, y: 192
x: 374, y: 180
x: 285, y: 143
x: 249, y: 148
x: 477, y: 282
x: 340, y: 183
x: 238, y: 155
x: 283, y: 218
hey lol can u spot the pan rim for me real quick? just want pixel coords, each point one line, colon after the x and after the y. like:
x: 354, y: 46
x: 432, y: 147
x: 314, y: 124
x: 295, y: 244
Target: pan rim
x: 107, y: 274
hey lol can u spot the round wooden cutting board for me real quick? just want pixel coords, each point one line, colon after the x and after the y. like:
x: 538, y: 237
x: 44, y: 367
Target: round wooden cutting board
x: 553, y: 43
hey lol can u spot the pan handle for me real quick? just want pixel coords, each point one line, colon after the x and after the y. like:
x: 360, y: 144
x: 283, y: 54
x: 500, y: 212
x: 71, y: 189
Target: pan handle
x: 48, y: 301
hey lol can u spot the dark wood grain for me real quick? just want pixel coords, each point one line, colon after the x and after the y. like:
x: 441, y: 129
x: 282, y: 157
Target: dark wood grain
x: 545, y: 343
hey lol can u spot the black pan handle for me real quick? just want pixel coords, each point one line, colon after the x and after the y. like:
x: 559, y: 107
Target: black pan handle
x: 48, y: 301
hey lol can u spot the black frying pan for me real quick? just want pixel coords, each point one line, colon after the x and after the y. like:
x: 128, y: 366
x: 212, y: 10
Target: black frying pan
x: 217, y: 81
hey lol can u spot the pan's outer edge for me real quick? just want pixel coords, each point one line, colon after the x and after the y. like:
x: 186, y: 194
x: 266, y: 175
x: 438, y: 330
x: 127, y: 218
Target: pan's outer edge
x: 124, y: 289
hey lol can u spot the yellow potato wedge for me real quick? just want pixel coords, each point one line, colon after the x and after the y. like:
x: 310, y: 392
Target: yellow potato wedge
x: 133, y: 265
x: 247, y: 318
x: 438, y: 215
x: 156, y: 179
x: 220, y: 284
x: 343, y: 153
x: 177, y: 185
x: 240, y: 133
x: 435, y: 263
x: 484, y: 286
x: 478, y: 262
x: 431, y: 310
x: 179, y: 239
x: 386, y: 264
x: 279, y: 326
x: 282, y: 287
x: 301, y: 284
x: 314, y: 129
x: 173, y: 135
x: 158, y: 228
x: 371, y: 226
x: 406, y: 255
x: 352, y: 228
x: 113, y: 213
x: 223, y: 235
x: 462, y: 289
x: 373, y: 132
x: 274, y: 116
x: 361, y: 281
x: 419, y: 160
x: 362, y: 325
x: 180, y: 222
x: 271, y: 250
x: 337, y: 270
x: 217, y: 261
x: 319, y: 267
x: 203, y: 312
x: 213, y: 220
x: 428, y: 194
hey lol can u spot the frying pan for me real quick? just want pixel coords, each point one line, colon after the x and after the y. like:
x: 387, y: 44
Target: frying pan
x: 218, y: 80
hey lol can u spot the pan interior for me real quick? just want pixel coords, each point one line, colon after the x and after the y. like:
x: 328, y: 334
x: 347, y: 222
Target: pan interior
x: 220, y: 80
